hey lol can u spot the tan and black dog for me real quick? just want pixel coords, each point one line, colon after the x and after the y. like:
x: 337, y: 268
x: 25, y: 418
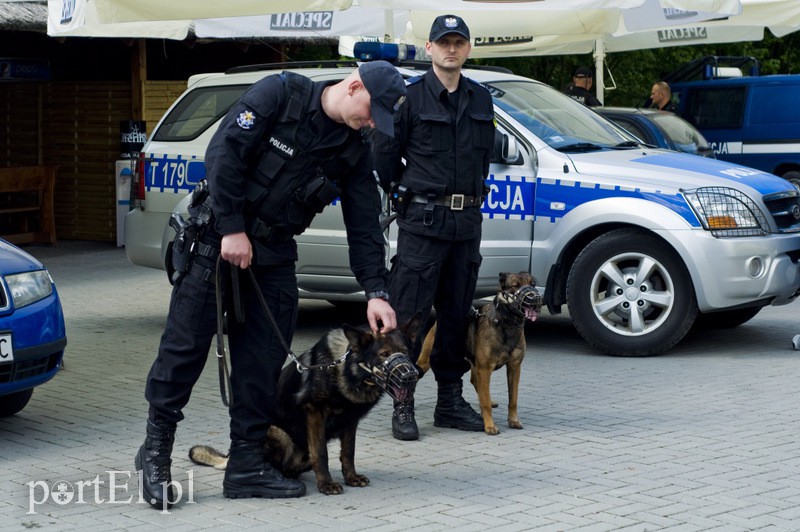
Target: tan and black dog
x: 496, y: 338
x: 317, y: 405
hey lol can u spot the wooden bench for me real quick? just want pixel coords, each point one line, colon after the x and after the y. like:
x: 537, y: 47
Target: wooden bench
x: 26, y: 204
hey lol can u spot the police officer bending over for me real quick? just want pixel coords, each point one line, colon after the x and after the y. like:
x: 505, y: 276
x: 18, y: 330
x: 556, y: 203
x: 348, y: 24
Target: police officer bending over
x: 445, y: 132
x: 289, y: 147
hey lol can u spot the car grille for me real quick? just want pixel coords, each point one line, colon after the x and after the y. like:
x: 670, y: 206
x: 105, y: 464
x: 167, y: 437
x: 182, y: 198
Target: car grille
x: 25, y: 369
x: 785, y: 210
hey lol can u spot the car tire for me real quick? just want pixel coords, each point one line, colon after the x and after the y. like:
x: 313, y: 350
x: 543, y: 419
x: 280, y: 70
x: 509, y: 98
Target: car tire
x: 12, y: 403
x: 793, y: 177
x: 629, y: 294
x: 727, y: 319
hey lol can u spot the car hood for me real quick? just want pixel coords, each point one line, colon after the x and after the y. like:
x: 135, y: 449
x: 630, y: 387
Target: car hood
x: 14, y: 260
x: 667, y: 170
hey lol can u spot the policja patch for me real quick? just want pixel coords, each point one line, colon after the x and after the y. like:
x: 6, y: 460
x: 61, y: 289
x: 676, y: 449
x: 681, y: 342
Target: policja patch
x: 246, y: 119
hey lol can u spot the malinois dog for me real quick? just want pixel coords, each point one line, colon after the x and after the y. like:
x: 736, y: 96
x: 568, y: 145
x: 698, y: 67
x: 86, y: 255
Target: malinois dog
x: 496, y: 338
x: 343, y: 376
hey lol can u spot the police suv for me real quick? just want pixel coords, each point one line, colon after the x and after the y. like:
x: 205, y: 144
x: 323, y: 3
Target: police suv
x: 637, y: 242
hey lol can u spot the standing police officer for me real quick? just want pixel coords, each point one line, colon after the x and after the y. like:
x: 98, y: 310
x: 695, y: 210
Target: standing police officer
x: 580, y: 89
x: 445, y: 132
x: 285, y: 150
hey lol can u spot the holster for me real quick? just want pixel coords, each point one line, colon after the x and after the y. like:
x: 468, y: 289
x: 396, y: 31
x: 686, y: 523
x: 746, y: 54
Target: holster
x: 400, y: 198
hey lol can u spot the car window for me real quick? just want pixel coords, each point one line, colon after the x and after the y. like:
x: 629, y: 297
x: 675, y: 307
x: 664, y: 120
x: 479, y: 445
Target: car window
x: 767, y: 98
x: 634, y: 129
x: 197, y: 111
x: 680, y: 133
x: 720, y: 107
x: 557, y: 119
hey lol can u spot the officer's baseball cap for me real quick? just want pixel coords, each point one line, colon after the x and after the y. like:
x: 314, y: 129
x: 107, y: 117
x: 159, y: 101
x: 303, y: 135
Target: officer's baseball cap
x: 583, y: 72
x: 444, y: 24
x: 386, y: 89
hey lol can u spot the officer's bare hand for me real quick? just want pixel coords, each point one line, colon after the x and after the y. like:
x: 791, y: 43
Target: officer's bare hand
x: 237, y: 250
x: 380, y: 310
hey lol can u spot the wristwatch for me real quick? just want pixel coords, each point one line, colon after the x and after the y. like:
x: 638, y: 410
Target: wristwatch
x: 382, y: 294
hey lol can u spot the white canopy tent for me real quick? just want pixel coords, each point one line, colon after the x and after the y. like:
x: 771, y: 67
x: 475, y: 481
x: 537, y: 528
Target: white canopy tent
x: 781, y: 17
x: 533, y: 27
x: 383, y: 18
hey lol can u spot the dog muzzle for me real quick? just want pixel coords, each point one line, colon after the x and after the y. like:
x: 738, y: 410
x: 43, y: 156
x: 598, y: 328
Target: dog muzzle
x: 397, y: 376
x: 526, y: 301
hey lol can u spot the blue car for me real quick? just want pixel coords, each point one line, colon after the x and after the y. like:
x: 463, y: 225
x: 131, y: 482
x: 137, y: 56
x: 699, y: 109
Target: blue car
x: 32, y: 331
x: 659, y: 128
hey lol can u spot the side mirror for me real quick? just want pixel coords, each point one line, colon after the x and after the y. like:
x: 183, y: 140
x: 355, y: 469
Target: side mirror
x: 506, y: 149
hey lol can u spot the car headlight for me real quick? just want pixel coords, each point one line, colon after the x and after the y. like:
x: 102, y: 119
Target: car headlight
x: 29, y: 287
x: 727, y: 212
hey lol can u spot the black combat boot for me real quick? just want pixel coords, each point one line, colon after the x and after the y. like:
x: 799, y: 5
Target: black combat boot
x: 248, y: 474
x: 153, y: 460
x: 452, y: 411
x: 404, y: 426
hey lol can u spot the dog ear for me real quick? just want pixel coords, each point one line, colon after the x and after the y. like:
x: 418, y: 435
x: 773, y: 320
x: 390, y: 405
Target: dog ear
x: 503, y: 277
x: 411, y: 328
x: 355, y: 336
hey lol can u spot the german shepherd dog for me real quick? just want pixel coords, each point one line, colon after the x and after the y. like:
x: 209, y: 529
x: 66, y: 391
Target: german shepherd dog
x: 496, y: 338
x: 328, y: 401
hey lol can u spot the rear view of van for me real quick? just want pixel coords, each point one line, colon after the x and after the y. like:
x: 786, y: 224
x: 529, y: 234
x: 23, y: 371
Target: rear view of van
x: 749, y: 120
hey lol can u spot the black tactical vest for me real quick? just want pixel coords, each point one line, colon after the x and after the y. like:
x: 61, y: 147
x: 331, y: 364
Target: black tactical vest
x: 291, y: 183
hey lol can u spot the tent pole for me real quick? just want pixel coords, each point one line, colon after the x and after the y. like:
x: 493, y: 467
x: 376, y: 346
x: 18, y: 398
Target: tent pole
x: 599, y: 70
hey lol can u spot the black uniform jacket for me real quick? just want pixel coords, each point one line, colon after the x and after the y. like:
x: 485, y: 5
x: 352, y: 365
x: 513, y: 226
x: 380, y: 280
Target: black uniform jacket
x: 235, y: 151
x: 582, y: 95
x: 442, y: 156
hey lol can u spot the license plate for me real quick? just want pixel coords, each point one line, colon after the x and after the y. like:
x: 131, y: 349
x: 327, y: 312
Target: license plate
x: 6, y: 350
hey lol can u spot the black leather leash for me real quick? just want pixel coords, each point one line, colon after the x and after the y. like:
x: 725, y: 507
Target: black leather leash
x: 224, y: 375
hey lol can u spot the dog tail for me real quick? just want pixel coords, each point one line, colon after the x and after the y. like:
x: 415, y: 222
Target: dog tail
x: 208, y: 456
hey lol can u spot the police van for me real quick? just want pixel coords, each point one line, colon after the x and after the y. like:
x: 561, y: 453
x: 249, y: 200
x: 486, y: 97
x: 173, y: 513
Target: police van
x: 638, y: 243
x: 748, y: 119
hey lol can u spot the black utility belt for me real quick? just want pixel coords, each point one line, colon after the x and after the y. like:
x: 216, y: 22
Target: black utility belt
x: 455, y: 202
x: 260, y: 230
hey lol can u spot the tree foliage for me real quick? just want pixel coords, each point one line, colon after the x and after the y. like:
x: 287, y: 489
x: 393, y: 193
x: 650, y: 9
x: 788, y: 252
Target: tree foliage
x: 634, y: 72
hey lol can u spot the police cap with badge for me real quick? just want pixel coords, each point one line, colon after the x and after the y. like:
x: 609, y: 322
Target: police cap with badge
x: 446, y: 24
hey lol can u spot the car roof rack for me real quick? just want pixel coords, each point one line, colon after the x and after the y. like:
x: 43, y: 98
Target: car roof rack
x: 714, y: 67
x: 293, y: 64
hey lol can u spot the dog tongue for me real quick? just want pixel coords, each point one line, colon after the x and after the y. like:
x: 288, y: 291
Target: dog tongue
x: 399, y: 393
x: 531, y: 314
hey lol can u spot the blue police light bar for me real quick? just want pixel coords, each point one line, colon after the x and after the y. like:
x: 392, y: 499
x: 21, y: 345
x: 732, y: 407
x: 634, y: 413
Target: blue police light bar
x: 373, y: 51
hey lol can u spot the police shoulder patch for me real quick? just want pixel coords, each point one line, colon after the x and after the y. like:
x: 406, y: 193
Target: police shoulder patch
x: 246, y: 119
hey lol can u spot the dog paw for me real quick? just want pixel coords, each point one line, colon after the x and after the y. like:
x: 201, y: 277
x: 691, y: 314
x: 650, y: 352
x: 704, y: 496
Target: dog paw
x: 330, y: 488
x: 491, y: 430
x: 514, y: 424
x: 358, y: 481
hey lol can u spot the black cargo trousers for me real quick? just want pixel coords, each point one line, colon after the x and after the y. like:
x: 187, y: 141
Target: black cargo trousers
x: 256, y: 353
x: 430, y: 272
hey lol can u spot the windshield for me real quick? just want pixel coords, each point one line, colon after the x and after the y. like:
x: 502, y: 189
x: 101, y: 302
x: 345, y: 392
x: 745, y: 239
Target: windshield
x: 680, y: 132
x: 557, y: 119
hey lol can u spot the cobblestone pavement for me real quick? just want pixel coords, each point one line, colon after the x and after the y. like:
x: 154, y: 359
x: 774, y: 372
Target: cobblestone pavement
x: 703, y: 438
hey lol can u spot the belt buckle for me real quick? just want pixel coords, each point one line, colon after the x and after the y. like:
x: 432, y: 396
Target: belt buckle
x: 457, y: 202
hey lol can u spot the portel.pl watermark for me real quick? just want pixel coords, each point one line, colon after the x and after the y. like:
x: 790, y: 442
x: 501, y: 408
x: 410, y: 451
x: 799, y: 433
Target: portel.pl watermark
x: 111, y: 488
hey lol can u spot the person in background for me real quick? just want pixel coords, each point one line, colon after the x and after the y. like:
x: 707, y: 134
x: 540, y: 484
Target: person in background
x: 444, y: 133
x: 661, y: 97
x: 581, y: 87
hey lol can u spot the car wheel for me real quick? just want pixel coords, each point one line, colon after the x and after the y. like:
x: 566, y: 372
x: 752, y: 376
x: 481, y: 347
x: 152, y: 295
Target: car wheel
x: 14, y: 402
x: 727, y: 319
x: 629, y: 294
x: 793, y: 177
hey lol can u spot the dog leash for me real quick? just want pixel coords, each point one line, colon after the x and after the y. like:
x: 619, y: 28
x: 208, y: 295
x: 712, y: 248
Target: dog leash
x: 224, y: 375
